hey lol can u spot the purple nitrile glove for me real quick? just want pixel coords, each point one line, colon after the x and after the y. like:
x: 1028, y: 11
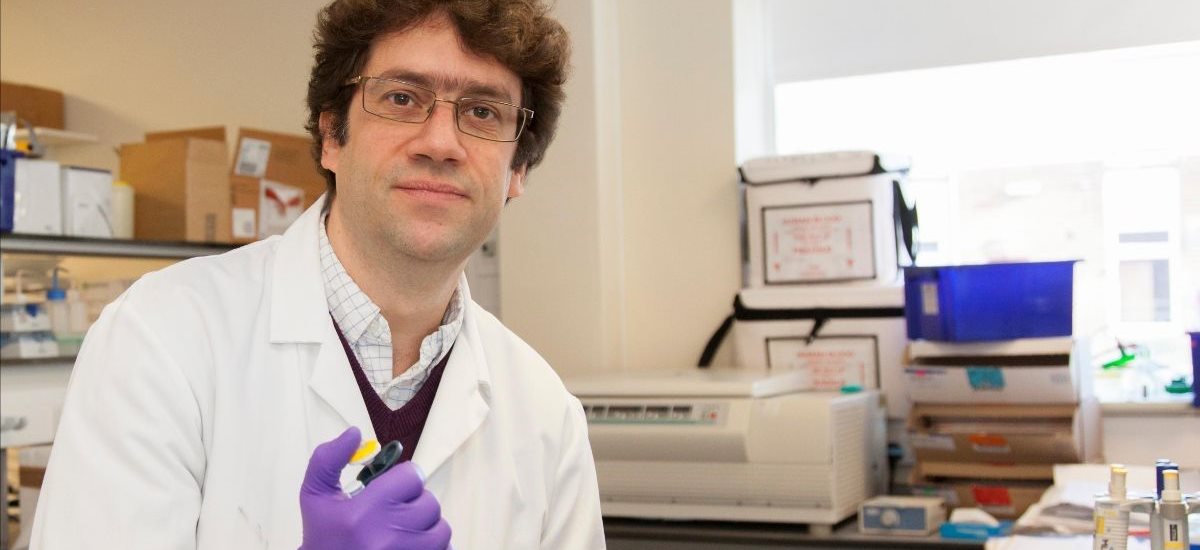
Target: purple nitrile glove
x: 394, y: 511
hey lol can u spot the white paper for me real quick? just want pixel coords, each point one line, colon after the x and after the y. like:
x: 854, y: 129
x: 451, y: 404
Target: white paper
x: 278, y: 206
x: 831, y: 362
x: 818, y: 242
x: 252, y: 158
x: 245, y: 223
x: 927, y: 441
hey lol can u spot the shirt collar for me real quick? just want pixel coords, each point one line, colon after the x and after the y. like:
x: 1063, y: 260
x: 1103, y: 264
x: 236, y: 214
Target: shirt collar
x: 354, y: 311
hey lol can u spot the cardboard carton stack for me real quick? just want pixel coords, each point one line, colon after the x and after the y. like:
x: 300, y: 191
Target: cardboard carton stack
x: 990, y: 419
x: 188, y: 190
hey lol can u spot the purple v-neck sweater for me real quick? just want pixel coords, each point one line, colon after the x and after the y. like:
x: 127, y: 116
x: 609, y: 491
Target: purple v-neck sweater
x: 406, y: 423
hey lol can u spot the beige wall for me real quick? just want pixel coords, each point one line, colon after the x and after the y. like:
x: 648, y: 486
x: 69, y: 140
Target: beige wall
x: 624, y: 254
x: 623, y: 251
x: 141, y: 65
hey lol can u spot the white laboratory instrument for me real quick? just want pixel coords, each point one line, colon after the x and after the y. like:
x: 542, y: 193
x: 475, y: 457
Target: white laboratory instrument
x: 732, y: 444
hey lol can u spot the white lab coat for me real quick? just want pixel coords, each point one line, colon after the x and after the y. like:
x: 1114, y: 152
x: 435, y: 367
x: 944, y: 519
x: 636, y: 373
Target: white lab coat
x: 201, y: 392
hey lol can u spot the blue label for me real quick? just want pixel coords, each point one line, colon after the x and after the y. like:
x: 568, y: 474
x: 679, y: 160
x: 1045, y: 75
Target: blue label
x: 985, y: 378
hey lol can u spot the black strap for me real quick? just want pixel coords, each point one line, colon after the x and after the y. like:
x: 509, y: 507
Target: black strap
x: 906, y: 220
x: 819, y: 315
x: 714, y: 343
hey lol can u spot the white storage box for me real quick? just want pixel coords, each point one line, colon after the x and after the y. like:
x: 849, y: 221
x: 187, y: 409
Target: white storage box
x: 1036, y: 370
x: 839, y: 335
x: 837, y: 228
x: 37, y: 198
x: 87, y: 202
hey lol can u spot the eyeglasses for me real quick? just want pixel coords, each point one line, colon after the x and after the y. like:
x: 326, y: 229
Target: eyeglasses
x: 406, y: 102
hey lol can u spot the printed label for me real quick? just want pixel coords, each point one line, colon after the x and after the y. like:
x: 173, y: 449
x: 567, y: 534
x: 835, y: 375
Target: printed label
x: 929, y: 299
x: 990, y: 444
x: 993, y: 499
x: 927, y: 441
x: 245, y: 226
x: 815, y: 243
x: 830, y: 362
x: 252, y: 158
x: 985, y: 378
x: 278, y: 206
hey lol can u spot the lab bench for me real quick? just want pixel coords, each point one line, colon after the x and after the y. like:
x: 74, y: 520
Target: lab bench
x: 641, y: 534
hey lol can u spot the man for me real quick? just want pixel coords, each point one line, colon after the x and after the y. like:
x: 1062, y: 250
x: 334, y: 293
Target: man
x: 217, y: 402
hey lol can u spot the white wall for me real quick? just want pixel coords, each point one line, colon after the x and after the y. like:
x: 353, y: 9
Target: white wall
x: 831, y: 38
x: 624, y: 253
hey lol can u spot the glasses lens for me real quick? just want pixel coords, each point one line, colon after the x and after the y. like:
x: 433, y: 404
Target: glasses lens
x: 489, y: 119
x: 397, y: 100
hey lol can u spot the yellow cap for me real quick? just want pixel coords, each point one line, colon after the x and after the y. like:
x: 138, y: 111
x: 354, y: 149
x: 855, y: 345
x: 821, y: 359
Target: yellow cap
x: 365, y: 452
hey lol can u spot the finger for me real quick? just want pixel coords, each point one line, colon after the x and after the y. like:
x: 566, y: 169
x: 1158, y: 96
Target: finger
x: 328, y: 459
x: 419, y: 514
x: 398, y: 485
x: 434, y: 538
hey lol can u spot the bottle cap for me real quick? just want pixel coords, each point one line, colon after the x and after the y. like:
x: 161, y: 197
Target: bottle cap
x: 1116, y: 481
x: 56, y: 292
x: 1171, y: 486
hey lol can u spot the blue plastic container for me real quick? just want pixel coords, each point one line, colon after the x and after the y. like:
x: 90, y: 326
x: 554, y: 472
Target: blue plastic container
x: 980, y: 303
x: 1195, y: 338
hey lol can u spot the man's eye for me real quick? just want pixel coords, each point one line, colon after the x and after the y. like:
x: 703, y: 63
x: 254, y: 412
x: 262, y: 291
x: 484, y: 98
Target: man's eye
x: 483, y: 112
x: 398, y: 98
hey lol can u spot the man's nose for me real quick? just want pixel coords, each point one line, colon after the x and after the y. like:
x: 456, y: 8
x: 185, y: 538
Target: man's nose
x: 439, y: 138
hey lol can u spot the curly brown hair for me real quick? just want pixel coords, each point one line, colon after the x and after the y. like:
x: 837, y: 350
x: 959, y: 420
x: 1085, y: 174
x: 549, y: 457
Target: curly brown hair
x: 517, y: 33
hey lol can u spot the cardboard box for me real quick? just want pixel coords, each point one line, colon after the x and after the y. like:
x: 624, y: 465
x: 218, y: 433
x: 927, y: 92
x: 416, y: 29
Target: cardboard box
x: 1015, y: 372
x: 42, y: 107
x: 274, y: 180
x: 1040, y: 434
x: 974, y: 470
x: 87, y: 202
x: 1003, y: 499
x: 37, y: 197
x: 181, y: 189
x: 859, y: 337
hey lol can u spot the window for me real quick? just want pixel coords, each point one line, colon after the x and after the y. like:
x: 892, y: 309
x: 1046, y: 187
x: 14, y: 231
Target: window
x: 1090, y: 156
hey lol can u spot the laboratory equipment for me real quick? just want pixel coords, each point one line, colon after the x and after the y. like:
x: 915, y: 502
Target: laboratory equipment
x: 730, y: 444
x: 839, y: 335
x: 1168, y: 512
x: 901, y: 515
x: 1112, y: 513
x: 826, y: 218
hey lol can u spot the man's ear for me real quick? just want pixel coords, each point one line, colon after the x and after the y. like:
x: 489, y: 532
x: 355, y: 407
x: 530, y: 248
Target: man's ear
x: 516, y: 183
x: 329, y: 145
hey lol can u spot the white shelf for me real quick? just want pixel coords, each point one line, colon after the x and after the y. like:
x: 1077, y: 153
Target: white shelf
x: 75, y: 246
x: 55, y: 137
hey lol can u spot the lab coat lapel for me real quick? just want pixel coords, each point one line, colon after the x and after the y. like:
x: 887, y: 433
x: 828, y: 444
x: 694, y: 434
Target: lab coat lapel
x: 461, y: 403
x: 300, y: 316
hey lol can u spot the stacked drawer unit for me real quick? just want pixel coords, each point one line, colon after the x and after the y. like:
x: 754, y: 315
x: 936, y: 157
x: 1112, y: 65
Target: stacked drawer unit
x: 996, y: 382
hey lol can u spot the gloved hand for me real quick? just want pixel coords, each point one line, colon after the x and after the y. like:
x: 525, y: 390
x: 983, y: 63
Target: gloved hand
x: 394, y: 511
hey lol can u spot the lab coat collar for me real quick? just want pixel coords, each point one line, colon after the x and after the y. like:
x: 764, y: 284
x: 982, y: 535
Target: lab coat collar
x: 299, y: 310
x: 462, y: 400
x: 300, y: 315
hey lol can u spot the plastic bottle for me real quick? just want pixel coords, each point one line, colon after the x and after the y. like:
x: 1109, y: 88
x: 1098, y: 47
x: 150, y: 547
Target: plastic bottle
x: 1111, y: 515
x: 1172, y: 512
x: 122, y: 210
x: 65, y: 316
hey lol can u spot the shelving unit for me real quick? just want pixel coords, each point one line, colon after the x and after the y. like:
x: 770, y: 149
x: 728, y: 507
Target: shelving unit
x: 56, y: 137
x: 117, y: 248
